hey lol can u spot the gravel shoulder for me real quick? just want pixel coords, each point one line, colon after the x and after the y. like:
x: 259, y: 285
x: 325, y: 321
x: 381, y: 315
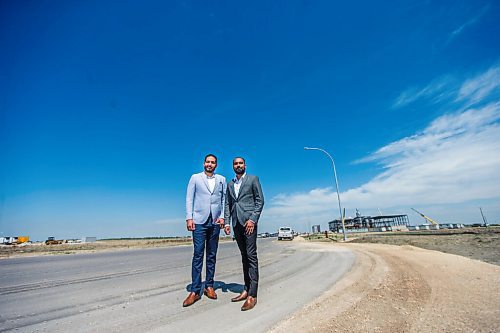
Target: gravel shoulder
x: 475, y: 243
x: 405, y: 289
x: 39, y: 249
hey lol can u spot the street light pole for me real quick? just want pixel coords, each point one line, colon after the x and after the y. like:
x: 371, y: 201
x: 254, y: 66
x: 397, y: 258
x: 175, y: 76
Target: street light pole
x: 336, y: 185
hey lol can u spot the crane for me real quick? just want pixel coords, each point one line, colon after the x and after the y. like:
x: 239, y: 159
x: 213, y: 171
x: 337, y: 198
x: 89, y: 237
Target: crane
x: 485, y: 221
x: 426, y: 217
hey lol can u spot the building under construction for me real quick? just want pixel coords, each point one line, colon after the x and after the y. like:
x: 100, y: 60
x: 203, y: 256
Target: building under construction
x: 371, y: 223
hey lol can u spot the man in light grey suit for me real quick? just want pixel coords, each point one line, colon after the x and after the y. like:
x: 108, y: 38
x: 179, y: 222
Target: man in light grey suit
x: 243, y: 205
x: 205, y: 197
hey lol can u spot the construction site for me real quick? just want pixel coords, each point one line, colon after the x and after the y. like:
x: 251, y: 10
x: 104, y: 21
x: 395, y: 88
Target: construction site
x: 395, y: 222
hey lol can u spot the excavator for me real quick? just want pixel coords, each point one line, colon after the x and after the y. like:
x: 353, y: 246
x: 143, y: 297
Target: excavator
x: 428, y: 219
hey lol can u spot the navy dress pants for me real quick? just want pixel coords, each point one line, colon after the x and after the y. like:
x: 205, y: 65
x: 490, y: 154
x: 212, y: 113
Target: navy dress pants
x: 205, y: 235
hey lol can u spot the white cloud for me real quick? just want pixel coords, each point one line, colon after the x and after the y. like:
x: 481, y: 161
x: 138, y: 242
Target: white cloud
x: 470, y: 22
x: 301, y: 210
x: 472, y: 91
x: 481, y: 86
x: 436, y: 91
x: 454, y: 160
x: 442, y: 131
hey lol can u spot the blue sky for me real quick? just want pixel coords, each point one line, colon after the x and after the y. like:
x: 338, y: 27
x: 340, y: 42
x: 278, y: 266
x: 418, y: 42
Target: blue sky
x: 108, y: 107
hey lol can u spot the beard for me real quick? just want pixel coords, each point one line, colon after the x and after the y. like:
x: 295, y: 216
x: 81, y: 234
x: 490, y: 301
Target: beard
x: 239, y: 170
x: 209, y: 169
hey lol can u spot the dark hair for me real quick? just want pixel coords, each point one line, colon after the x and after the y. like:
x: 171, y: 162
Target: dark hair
x: 241, y: 158
x: 210, y: 155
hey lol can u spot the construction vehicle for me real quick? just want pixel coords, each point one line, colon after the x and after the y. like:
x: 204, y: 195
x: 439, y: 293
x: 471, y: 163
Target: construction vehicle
x: 23, y: 239
x: 485, y: 221
x: 428, y: 219
x: 53, y: 241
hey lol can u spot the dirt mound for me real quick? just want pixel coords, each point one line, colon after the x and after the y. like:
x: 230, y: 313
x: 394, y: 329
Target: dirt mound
x: 405, y: 289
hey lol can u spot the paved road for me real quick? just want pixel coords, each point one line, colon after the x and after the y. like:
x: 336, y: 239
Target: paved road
x: 143, y: 290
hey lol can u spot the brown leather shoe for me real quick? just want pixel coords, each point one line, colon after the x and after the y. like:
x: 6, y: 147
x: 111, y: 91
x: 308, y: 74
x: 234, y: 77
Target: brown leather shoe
x: 249, y: 303
x: 241, y: 297
x: 210, y: 293
x: 191, y: 299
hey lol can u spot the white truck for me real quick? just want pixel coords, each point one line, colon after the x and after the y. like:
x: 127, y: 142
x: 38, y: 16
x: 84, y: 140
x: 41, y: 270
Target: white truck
x: 285, y: 233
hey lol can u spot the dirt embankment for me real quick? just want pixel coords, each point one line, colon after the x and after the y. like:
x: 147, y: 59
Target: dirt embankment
x: 476, y: 243
x: 405, y: 289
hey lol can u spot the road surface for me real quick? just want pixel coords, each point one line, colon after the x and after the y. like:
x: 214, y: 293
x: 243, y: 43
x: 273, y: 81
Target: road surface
x: 143, y: 290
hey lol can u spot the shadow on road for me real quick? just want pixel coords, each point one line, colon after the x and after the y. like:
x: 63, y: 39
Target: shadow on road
x: 223, y: 286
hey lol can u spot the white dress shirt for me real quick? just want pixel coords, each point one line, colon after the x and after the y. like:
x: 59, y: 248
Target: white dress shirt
x: 237, y: 184
x: 211, y: 183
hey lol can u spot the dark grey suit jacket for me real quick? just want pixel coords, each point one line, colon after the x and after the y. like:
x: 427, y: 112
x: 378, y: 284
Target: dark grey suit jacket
x: 249, y: 203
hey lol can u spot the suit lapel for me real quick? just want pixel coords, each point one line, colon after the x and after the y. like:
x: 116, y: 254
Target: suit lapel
x: 218, y: 183
x: 204, y: 177
x: 231, y: 189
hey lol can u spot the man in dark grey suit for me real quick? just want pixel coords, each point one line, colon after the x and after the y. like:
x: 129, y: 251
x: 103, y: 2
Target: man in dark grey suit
x: 243, y: 205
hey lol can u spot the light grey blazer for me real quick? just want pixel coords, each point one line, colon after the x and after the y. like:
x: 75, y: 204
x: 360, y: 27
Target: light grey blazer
x: 247, y: 205
x: 200, y: 202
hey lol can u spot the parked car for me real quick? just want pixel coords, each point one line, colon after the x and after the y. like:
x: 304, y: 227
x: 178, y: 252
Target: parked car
x: 285, y: 233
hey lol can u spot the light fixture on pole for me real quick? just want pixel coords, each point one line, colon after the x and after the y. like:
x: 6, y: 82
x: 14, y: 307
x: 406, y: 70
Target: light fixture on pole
x: 336, y: 185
